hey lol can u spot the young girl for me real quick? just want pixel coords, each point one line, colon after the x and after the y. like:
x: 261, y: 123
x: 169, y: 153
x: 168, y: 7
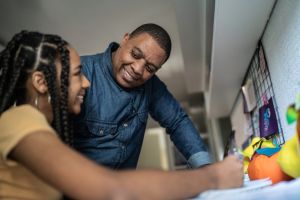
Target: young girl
x: 40, y: 84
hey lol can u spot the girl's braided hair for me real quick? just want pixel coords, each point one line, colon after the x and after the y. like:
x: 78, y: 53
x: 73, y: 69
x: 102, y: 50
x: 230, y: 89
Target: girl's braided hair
x: 32, y: 51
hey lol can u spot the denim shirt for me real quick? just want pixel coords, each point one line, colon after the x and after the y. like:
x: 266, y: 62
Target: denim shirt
x: 111, y: 127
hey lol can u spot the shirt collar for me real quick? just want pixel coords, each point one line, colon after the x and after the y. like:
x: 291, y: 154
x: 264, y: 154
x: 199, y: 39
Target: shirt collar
x: 108, y: 57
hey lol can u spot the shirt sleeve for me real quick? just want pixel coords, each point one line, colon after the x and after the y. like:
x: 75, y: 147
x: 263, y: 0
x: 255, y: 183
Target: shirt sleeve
x: 18, y: 122
x: 165, y: 109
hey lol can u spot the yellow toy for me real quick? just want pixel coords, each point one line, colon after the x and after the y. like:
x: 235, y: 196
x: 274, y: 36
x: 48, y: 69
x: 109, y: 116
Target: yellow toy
x: 289, y: 156
x: 256, y: 143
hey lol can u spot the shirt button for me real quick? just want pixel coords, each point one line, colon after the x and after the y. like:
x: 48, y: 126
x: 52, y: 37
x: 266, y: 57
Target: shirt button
x: 101, y: 132
x: 125, y: 124
x: 123, y: 147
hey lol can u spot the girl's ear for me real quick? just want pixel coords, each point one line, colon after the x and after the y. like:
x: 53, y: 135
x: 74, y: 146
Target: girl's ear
x: 39, y: 82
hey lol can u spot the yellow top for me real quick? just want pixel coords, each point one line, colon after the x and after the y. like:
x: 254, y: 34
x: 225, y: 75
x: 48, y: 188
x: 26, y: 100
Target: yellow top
x: 16, y: 182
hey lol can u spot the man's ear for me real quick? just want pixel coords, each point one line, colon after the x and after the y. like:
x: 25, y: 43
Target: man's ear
x: 39, y: 82
x: 125, y: 39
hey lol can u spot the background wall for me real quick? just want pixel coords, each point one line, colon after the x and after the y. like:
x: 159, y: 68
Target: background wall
x: 156, y: 151
x: 240, y: 121
x: 282, y: 47
x: 281, y: 42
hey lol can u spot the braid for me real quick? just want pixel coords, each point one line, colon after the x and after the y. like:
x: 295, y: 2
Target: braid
x: 64, y: 90
x: 62, y: 110
x: 9, y: 75
x: 32, y: 51
x: 9, y: 97
x: 50, y: 75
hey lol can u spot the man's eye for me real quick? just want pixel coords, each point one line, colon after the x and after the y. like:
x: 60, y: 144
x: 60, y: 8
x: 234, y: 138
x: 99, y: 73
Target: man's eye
x: 135, y: 55
x: 150, y: 69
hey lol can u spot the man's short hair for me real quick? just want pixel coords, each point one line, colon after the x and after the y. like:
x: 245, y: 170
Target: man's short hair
x: 156, y: 32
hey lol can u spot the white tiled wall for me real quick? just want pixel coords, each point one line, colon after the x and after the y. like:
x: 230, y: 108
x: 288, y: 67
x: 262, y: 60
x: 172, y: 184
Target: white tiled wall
x: 282, y: 47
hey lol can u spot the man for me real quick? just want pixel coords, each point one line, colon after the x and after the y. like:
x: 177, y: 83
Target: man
x: 124, y: 89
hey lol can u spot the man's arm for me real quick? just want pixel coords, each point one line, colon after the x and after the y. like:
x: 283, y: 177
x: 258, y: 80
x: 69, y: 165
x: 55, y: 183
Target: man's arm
x: 165, y: 109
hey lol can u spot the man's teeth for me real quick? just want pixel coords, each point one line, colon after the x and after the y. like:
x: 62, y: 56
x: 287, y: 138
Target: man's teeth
x: 128, y: 75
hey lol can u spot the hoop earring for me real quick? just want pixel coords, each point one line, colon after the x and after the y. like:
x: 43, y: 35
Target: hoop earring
x: 36, y: 102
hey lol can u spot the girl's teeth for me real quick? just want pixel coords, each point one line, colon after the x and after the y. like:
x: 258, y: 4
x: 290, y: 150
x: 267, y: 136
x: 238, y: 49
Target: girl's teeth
x: 80, y: 98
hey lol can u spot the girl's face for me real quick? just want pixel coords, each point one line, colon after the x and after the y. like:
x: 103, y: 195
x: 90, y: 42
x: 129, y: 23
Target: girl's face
x: 77, y: 82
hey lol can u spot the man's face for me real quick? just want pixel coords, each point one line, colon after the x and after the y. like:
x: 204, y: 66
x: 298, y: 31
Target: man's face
x: 137, y: 60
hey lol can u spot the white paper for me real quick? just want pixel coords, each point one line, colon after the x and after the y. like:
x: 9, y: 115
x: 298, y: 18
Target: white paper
x: 249, y: 96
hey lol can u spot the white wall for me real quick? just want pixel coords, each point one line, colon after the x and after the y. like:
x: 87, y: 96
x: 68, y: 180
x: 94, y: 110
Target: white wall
x: 156, y: 152
x: 240, y: 122
x: 215, y: 139
x: 282, y: 47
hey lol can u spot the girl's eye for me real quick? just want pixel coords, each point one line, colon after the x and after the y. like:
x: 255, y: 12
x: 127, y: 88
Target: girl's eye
x: 78, y: 73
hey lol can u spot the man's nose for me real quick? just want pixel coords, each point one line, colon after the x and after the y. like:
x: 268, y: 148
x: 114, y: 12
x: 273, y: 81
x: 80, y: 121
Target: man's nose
x: 139, y: 67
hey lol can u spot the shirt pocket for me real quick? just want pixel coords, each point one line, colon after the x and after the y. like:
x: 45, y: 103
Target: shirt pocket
x: 143, y: 117
x: 102, y: 129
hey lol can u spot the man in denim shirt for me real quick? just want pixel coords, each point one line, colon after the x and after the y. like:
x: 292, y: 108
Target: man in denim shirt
x: 124, y: 89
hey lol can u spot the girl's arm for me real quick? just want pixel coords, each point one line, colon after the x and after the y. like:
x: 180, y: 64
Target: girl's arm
x: 77, y: 177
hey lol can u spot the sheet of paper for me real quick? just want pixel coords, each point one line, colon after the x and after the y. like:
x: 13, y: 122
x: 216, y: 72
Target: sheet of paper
x: 235, y: 192
x: 249, y: 96
x: 259, y: 189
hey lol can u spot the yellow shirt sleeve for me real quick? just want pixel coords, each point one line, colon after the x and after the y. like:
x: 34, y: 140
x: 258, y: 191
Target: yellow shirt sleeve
x: 18, y: 122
